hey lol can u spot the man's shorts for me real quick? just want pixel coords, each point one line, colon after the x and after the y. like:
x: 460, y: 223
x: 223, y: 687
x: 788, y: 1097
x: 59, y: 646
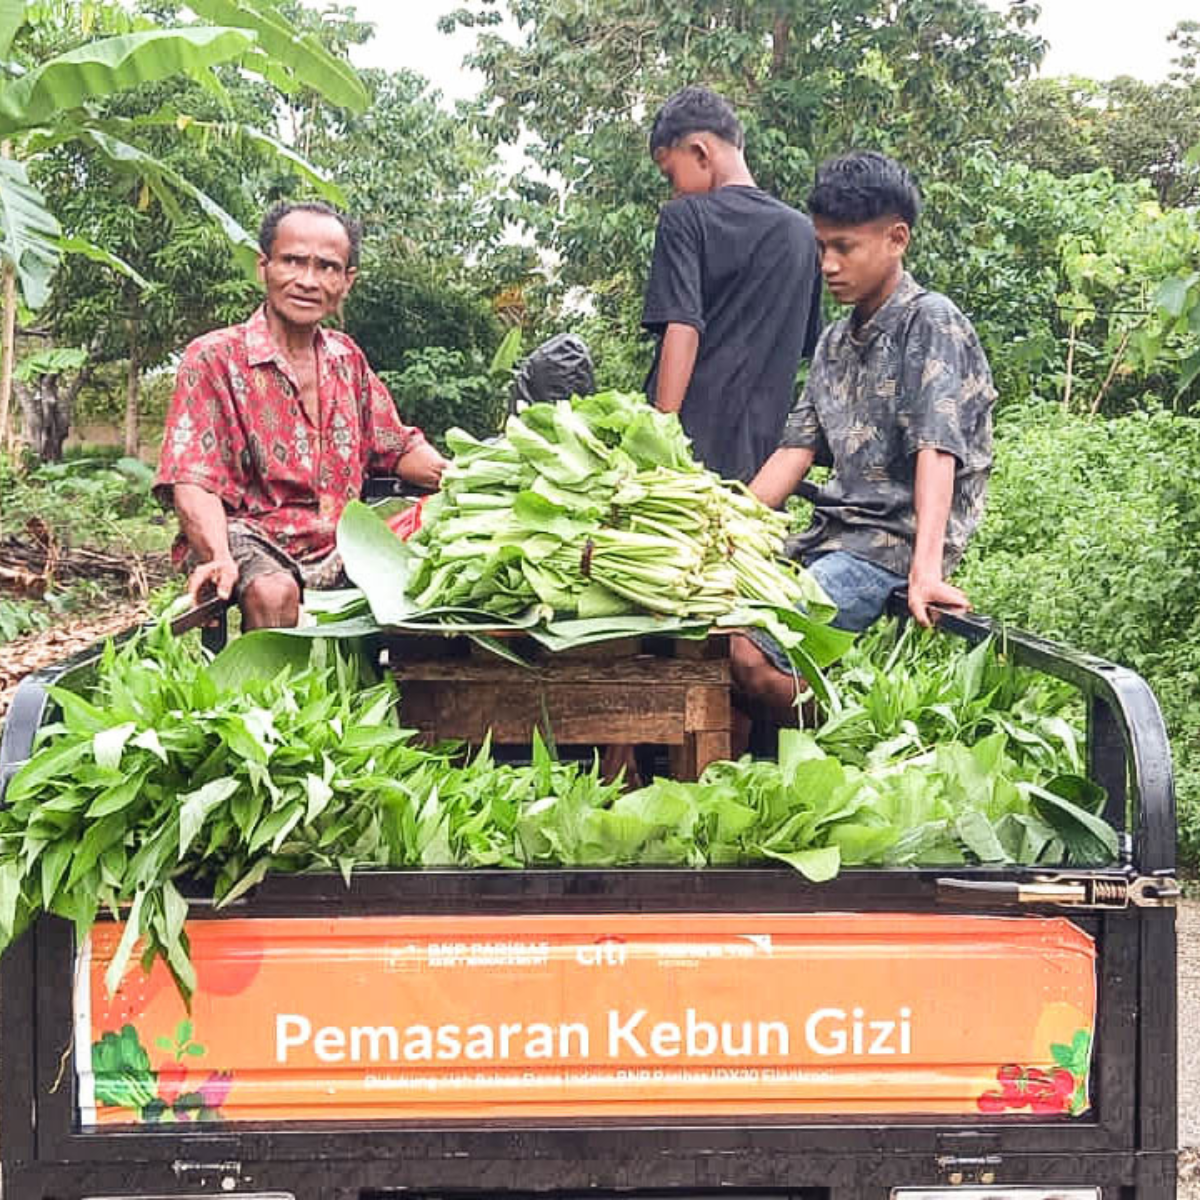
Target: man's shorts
x: 859, y: 588
x: 256, y: 554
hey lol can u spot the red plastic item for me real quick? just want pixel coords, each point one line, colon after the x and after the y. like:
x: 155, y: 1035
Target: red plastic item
x: 405, y: 524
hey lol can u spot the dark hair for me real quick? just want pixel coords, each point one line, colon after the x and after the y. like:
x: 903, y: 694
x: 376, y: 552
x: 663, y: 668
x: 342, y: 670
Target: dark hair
x: 695, y: 110
x: 862, y: 186
x: 269, y: 228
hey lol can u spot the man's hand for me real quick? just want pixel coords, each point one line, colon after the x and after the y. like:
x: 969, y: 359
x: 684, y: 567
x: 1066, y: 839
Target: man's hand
x: 221, y: 573
x: 423, y: 465
x: 926, y: 590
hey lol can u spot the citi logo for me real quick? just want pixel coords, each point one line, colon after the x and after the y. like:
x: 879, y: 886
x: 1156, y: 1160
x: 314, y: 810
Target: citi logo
x: 603, y: 952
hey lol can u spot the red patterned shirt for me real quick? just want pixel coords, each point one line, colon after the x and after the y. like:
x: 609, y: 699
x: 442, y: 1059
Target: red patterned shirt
x: 236, y: 428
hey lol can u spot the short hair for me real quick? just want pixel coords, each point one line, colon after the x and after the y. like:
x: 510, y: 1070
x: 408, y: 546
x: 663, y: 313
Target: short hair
x: 695, y: 110
x: 863, y: 186
x: 269, y: 229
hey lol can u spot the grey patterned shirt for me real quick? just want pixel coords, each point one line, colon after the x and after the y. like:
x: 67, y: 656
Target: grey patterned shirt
x: 913, y: 377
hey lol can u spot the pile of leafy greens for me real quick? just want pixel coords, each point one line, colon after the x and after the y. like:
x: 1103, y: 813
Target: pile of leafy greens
x: 589, y: 520
x: 167, y: 767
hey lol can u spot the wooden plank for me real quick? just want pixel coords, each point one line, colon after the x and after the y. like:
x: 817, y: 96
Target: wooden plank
x: 584, y: 713
x: 682, y: 760
x: 708, y: 747
x: 640, y: 672
x: 707, y: 708
x: 716, y: 645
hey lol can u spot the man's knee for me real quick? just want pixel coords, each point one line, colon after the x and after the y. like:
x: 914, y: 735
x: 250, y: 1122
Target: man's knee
x: 271, y: 601
x: 754, y: 675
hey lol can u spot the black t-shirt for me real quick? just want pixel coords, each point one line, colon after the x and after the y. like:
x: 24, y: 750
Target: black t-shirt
x: 742, y: 268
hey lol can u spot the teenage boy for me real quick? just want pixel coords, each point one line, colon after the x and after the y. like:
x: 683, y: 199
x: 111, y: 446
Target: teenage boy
x: 734, y: 291
x: 898, y: 402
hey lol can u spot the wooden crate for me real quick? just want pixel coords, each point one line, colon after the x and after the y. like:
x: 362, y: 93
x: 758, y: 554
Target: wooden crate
x: 667, y: 692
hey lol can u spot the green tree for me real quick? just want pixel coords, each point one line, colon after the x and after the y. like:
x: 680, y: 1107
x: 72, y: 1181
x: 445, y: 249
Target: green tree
x: 1136, y: 130
x: 921, y: 79
x: 415, y: 172
x: 59, y: 73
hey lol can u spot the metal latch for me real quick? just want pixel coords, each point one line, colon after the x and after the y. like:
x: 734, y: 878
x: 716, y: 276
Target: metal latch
x: 959, y: 1169
x: 1066, y: 891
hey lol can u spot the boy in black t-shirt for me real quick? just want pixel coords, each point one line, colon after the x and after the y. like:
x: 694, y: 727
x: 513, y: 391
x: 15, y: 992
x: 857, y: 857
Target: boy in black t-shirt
x: 734, y: 291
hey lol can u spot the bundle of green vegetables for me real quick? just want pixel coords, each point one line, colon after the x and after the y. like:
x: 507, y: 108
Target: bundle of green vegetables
x: 586, y: 521
x: 593, y: 509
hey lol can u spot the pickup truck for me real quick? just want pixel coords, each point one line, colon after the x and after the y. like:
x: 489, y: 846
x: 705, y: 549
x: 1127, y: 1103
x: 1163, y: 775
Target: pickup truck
x: 974, y: 1032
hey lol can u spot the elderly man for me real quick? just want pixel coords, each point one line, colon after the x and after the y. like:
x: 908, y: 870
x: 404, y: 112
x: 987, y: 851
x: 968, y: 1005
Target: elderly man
x: 275, y: 424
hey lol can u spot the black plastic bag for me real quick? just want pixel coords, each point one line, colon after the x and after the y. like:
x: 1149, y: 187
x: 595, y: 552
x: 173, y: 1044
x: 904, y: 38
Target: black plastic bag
x: 556, y: 370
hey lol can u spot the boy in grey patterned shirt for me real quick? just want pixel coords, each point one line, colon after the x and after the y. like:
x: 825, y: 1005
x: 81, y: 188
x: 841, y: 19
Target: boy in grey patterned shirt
x: 898, y: 402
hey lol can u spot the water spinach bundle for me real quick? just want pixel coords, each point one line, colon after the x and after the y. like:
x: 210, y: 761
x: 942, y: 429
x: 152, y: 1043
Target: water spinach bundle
x: 585, y: 520
x: 167, y: 777
x: 595, y: 509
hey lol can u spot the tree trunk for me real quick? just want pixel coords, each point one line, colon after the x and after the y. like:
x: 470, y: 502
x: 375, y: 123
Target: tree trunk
x: 781, y: 35
x: 47, y: 416
x: 8, y: 441
x: 48, y: 412
x: 133, y: 391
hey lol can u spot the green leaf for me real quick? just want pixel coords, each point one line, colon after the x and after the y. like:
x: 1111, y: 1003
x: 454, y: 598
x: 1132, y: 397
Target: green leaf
x: 119, y: 797
x: 129, y: 936
x: 977, y: 834
x: 1172, y: 294
x: 78, y: 714
x: 148, y: 739
x: 12, y: 17
x: 100, y: 68
x: 319, y: 795
x: 377, y: 561
x: 254, y: 876
x: 817, y: 866
x: 109, y: 744
x: 1089, y: 839
x: 302, y: 55
x: 202, y: 132
x: 29, y: 233
x: 196, y: 806
x: 98, y: 254
x: 507, y: 352
x: 10, y: 894
x: 163, y: 178
x: 1189, y: 370
x: 54, y: 762
x: 258, y: 656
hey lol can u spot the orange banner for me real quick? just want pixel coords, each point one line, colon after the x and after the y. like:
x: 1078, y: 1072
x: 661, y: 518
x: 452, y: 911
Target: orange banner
x: 634, y: 1015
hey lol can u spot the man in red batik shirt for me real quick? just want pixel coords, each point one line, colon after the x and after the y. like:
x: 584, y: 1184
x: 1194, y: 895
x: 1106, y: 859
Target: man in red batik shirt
x: 276, y: 423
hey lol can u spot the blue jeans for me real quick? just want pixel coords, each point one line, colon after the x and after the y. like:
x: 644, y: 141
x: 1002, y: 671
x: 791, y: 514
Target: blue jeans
x: 859, y: 588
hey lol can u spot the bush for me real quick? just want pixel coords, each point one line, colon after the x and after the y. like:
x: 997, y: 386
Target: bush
x: 82, y: 500
x: 401, y: 304
x: 438, y: 388
x: 1092, y: 537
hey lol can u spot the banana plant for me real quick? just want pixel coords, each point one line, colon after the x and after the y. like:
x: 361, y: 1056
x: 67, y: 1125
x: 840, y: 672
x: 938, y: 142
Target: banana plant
x: 55, y: 101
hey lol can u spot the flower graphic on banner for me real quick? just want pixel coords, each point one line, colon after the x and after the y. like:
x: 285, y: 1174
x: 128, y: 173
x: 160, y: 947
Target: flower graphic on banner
x: 1059, y: 1091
